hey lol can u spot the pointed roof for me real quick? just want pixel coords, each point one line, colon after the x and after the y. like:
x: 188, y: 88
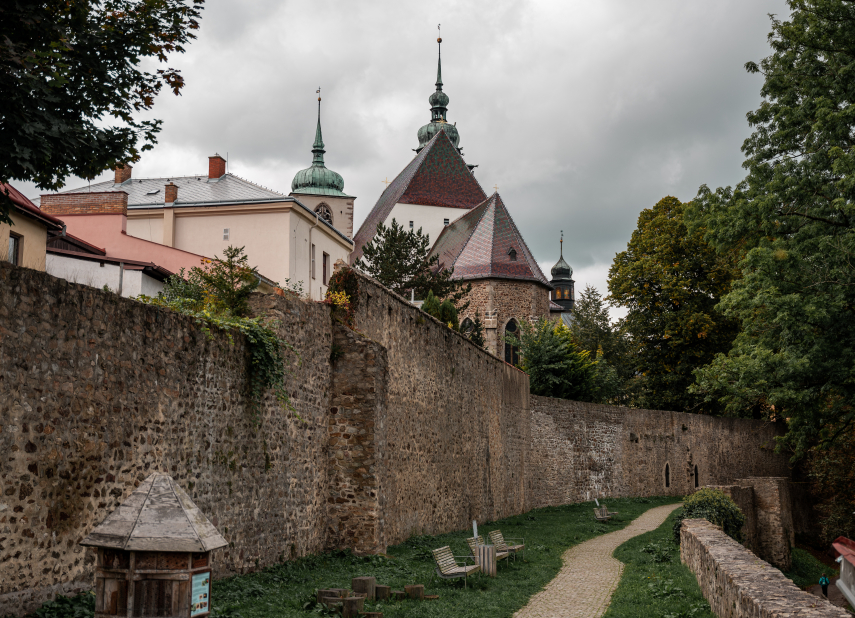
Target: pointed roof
x: 318, y: 179
x: 483, y: 243
x: 562, y: 270
x: 157, y: 516
x: 437, y: 176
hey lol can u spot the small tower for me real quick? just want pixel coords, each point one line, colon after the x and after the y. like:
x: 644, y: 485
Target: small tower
x: 322, y: 189
x: 564, y: 292
x: 438, y: 111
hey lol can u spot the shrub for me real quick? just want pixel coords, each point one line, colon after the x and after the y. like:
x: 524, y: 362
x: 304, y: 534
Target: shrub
x: 716, y: 507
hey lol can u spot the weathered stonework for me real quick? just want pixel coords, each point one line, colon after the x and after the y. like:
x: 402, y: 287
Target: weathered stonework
x: 581, y: 451
x: 743, y: 496
x: 773, y: 510
x: 738, y: 584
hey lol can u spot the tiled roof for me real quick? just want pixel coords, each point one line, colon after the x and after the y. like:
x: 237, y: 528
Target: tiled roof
x: 23, y: 204
x: 149, y: 192
x: 437, y: 176
x: 846, y: 548
x: 478, y: 245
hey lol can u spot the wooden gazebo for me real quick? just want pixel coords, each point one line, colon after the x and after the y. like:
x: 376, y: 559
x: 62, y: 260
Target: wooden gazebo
x: 154, y: 555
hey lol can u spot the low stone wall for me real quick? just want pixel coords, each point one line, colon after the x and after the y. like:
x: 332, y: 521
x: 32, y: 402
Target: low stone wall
x: 737, y: 584
x: 773, y: 509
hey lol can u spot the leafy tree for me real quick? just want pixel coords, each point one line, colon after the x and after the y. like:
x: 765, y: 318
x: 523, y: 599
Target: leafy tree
x: 832, y: 470
x: 230, y: 279
x: 555, y: 365
x: 716, y: 507
x: 591, y: 325
x: 444, y: 311
x: 66, y: 67
x: 793, y: 220
x: 671, y: 280
x: 399, y: 259
x: 476, y: 332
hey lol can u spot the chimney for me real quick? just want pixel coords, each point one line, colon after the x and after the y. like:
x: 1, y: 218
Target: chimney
x: 171, y: 193
x: 123, y: 173
x: 216, y: 166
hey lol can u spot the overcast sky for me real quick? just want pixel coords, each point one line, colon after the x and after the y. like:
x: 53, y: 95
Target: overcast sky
x: 583, y: 113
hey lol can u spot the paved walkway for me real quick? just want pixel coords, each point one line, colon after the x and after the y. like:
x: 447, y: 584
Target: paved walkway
x: 584, y: 586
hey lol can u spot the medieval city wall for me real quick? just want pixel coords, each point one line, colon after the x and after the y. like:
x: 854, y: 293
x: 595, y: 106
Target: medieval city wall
x: 399, y: 426
x: 581, y: 451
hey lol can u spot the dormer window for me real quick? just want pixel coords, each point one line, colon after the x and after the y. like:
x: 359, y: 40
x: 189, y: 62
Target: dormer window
x: 153, y: 192
x: 512, y: 254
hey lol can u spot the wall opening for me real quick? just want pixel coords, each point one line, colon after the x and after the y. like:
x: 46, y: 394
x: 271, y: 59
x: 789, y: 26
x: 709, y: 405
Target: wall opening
x: 696, y: 475
x: 512, y: 350
x: 667, y: 475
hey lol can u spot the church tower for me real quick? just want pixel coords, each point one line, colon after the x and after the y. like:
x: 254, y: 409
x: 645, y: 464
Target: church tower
x: 322, y: 189
x: 564, y: 292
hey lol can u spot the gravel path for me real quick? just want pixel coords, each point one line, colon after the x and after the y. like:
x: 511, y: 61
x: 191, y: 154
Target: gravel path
x: 584, y: 586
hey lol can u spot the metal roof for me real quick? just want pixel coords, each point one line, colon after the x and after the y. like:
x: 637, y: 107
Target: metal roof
x: 157, y: 516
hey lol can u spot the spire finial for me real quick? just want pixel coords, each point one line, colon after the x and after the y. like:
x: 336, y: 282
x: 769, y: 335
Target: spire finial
x: 562, y: 244
x: 318, y: 146
x: 439, y: 59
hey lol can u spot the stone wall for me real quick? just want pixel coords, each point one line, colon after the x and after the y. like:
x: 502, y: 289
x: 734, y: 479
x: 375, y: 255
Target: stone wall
x: 99, y: 391
x: 456, y: 423
x: 739, y: 585
x: 743, y: 496
x: 581, y: 451
x: 774, y: 513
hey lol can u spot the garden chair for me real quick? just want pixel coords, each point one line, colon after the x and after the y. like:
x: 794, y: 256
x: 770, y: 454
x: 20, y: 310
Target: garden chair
x: 499, y: 541
x: 602, y: 514
x: 447, y: 567
x: 474, y: 542
x: 611, y: 513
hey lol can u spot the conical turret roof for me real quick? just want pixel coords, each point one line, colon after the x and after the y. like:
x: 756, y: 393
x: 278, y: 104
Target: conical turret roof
x: 562, y: 270
x: 157, y: 516
x: 485, y: 243
x: 318, y: 179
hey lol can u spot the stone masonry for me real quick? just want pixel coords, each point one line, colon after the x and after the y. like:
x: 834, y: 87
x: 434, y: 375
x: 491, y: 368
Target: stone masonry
x: 737, y: 584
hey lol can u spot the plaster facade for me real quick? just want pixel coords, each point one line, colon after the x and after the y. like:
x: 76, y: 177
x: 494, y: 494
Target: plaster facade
x: 98, y: 274
x: 431, y: 219
x: 32, y: 238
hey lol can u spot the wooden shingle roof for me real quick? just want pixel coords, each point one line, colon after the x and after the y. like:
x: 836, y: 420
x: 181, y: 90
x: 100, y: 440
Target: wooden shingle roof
x: 157, y: 516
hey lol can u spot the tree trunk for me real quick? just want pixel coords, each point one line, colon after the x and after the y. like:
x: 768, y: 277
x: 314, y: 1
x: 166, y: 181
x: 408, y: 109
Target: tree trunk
x: 352, y: 606
x: 416, y: 591
x: 364, y: 585
x: 382, y: 592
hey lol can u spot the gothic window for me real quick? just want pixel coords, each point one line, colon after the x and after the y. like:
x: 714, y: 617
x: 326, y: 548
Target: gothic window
x: 324, y: 212
x: 696, y: 476
x: 512, y: 253
x: 667, y: 476
x: 512, y: 349
x: 466, y: 326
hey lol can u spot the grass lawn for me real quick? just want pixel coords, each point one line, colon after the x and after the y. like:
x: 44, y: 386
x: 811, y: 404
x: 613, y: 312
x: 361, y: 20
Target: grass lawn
x: 806, y: 569
x: 655, y: 584
x: 282, y: 590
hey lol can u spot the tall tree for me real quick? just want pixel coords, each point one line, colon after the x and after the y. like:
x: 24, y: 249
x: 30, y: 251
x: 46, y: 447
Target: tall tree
x: 793, y: 218
x: 70, y: 67
x: 399, y: 259
x: 671, y: 280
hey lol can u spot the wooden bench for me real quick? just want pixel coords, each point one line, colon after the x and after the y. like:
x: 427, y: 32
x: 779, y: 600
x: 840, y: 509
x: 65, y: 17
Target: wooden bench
x: 499, y: 541
x: 474, y: 542
x: 447, y: 567
x: 602, y: 514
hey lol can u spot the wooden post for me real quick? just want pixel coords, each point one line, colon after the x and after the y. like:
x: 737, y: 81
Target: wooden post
x: 399, y: 595
x: 131, y: 566
x: 416, y: 591
x: 365, y: 585
x: 352, y: 606
x: 382, y: 592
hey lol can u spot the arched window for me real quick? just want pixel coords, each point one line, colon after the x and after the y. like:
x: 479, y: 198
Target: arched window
x: 558, y: 294
x: 466, y: 326
x: 512, y: 351
x: 696, y: 475
x: 324, y: 212
x: 667, y: 476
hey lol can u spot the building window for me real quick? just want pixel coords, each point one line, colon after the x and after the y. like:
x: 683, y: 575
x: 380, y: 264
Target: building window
x: 466, y: 326
x: 15, y: 255
x: 696, y: 476
x: 512, y: 348
x: 512, y: 253
x: 225, y: 233
x: 558, y: 294
x: 326, y: 265
x: 667, y: 475
x: 411, y: 225
x: 313, y: 261
x: 445, y: 221
x: 323, y: 211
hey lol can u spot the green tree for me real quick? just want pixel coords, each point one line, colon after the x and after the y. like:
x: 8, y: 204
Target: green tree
x: 475, y: 333
x: 671, y: 280
x: 399, y: 259
x: 69, y: 67
x: 793, y: 220
x: 444, y: 311
x: 555, y: 364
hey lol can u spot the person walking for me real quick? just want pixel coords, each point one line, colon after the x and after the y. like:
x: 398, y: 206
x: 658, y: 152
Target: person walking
x: 823, y: 581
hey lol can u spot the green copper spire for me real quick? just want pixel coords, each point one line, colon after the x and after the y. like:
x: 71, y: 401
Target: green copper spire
x: 438, y: 110
x: 318, y: 180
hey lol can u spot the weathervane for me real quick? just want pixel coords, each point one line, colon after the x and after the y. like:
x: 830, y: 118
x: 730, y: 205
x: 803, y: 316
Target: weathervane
x: 438, y: 33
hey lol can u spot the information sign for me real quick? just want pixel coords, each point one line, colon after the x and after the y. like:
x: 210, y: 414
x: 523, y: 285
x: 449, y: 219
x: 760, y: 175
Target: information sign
x: 200, y: 602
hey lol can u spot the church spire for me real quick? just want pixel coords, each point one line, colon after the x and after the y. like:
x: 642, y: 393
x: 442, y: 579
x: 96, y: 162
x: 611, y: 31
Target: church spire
x: 318, y: 147
x: 439, y: 63
x: 438, y: 100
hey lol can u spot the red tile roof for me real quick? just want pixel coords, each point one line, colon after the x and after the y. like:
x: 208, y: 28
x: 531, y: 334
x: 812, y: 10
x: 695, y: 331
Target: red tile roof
x: 846, y: 548
x: 437, y: 176
x: 479, y: 245
x: 23, y: 204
